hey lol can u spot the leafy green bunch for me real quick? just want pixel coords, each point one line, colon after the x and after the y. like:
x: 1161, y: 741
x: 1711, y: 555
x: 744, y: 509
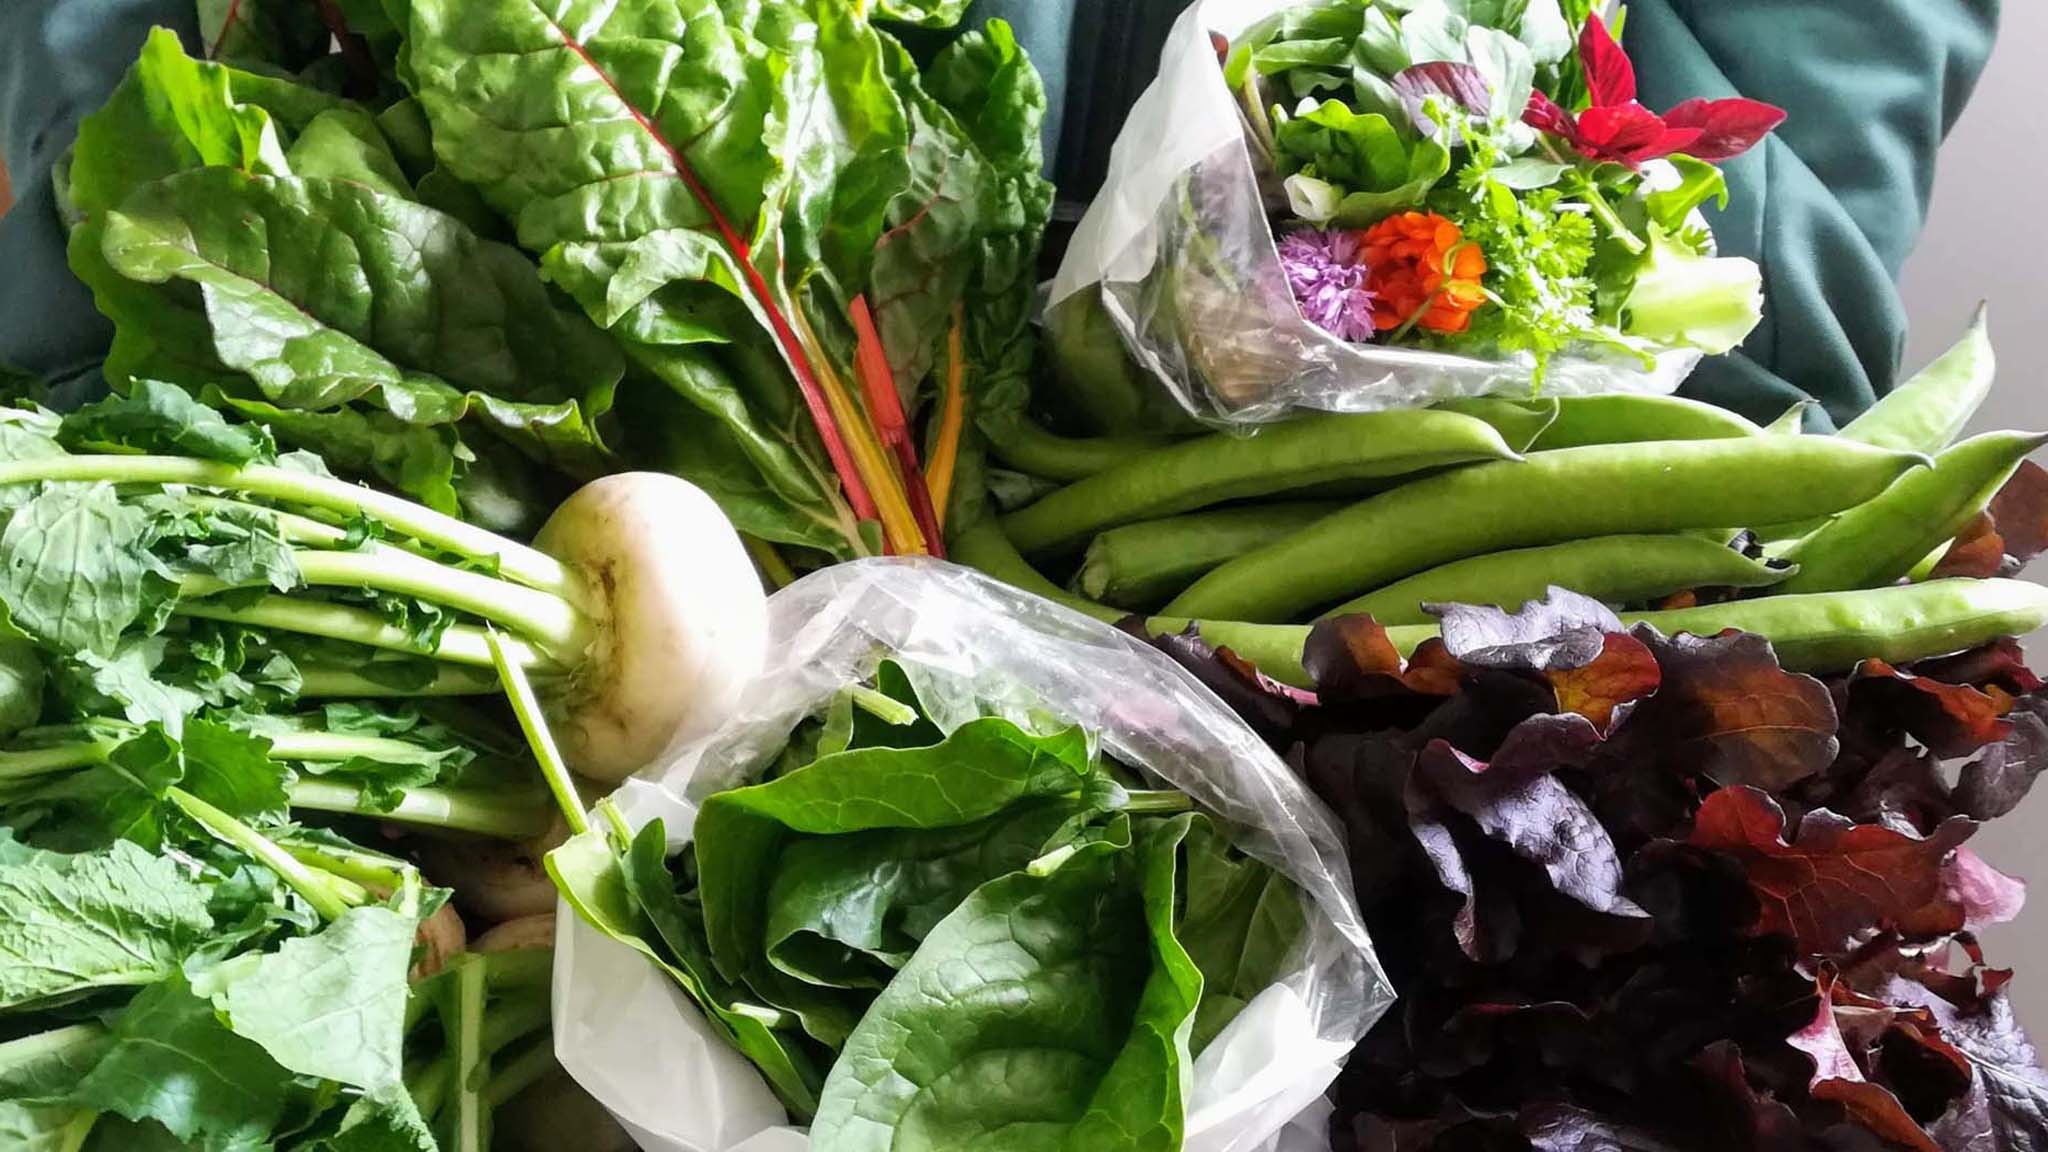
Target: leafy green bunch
x: 193, y: 951
x: 400, y: 256
x: 1468, y: 111
x: 915, y: 934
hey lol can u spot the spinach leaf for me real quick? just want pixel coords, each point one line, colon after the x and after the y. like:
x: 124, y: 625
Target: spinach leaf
x: 1048, y: 1011
x: 627, y: 893
x: 1240, y: 923
x: 847, y: 911
x: 122, y: 917
x: 29, y: 1127
x: 981, y: 769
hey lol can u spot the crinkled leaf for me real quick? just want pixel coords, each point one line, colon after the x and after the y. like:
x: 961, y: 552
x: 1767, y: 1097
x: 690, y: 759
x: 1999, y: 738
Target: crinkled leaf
x: 173, y: 1061
x: 1950, y: 719
x: 330, y: 1005
x: 1562, y: 631
x: 70, y: 572
x: 1726, y: 710
x: 119, y: 918
x: 1834, y: 879
x: 154, y: 417
x: 1995, y: 782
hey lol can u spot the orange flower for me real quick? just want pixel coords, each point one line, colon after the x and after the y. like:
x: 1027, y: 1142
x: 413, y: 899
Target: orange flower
x: 1423, y: 272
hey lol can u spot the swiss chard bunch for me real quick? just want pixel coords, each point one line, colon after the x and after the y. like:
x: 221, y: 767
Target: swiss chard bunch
x: 1481, y: 177
x: 1660, y: 893
x: 916, y: 934
x: 755, y: 266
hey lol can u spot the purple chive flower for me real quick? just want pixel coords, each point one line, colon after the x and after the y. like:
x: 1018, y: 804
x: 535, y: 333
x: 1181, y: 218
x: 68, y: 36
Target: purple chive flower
x: 1327, y: 271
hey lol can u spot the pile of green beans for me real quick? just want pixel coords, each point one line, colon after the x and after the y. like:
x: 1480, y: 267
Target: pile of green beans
x: 1644, y: 502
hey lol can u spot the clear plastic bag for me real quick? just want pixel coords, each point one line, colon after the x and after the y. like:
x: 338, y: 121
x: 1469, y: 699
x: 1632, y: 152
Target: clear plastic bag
x: 1177, y: 254
x: 973, y: 646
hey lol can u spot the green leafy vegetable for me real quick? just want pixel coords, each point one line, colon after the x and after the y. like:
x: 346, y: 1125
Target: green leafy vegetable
x: 68, y: 924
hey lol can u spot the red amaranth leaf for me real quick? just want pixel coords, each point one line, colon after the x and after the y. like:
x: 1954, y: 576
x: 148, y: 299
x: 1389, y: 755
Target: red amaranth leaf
x: 1950, y: 719
x: 1726, y: 710
x: 1727, y: 127
x: 1837, y: 881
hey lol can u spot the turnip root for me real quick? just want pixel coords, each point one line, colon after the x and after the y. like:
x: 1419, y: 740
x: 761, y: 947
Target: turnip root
x: 441, y: 936
x: 495, y: 881
x: 678, y: 619
x: 517, y: 935
x: 637, y: 616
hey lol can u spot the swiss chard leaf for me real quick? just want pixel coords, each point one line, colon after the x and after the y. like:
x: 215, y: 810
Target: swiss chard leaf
x: 981, y: 769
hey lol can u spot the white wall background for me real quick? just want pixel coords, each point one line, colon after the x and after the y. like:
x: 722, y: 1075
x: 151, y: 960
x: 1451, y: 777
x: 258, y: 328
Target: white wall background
x: 1986, y: 239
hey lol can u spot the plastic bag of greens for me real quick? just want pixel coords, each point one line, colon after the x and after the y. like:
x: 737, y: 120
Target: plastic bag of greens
x: 1362, y: 204
x: 891, y: 655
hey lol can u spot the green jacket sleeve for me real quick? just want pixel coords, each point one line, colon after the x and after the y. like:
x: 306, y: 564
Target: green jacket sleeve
x: 1832, y: 203
x: 58, y: 61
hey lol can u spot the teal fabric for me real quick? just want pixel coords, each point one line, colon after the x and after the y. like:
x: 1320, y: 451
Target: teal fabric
x: 58, y: 61
x: 1830, y: 206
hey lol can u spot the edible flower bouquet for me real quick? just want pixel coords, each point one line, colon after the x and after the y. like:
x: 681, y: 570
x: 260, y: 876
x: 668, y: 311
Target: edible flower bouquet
x: 1411, y: 201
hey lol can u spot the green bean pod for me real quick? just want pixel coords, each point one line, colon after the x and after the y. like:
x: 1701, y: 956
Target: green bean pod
x: 1882, y: 540
x: 1928, y: 411
x: 1025, y: 446
x: 984, y: 548
x: 1280, y: 458
x: 1141, y: 565
x: 1627, y: 418
x: 1547, y: 498
x: 1519, y: 421
x: 1833, y: 631
x: 1822, y: 632
x: 1613, y: 569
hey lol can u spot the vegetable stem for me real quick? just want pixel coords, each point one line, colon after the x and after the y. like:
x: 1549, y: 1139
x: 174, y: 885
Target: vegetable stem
x: 952, y: 419
x: 330, y: 896
x: 528, y: 566
x: 460, y: 644
x: 448, y: 680
x: 1162, y: 802
x: 526, y: 706
x: 774, y: 569
x: 462, y: 1021
x: 508, y: 817
x: 379, y: 873
x: 33, y: 762
x: 536, y: 615
x: 885, y: 409
x: 520, y: 1073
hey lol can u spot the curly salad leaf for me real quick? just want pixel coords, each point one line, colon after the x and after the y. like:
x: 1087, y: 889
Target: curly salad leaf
x: 1658, y: 892
x: 816, y: 910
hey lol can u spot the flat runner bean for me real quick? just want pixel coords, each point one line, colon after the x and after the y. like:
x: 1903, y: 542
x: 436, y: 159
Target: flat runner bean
x: 1519, y: 422
x: 1928, y: 411
x: 1627, y: 419
x: 1882, y: 540
x: 1141, y: 565
x: 1280, y: 458
x: 1024, y: 445
x: 1546, y: 498
x: 1612, y: 569
x: 985, y: 549
x: 1822, y: 632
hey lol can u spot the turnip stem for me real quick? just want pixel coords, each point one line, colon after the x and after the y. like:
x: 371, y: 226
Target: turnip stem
x: 508, y: 818
x: 537, y: 616
x: 332, y: 747
x: 520, y: 1073
x: 331, y: 896
x: 376, y: 872
x: 296, y: 529
x: 517, y: 562
x: 29, y: 763
x: 460, y: 644
x: 462, y: 1021
x: 526, y: 706
x: 449, y: 680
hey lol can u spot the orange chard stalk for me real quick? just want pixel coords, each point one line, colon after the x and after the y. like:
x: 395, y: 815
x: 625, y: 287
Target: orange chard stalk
x: 878, y: 383
x: 946, y: 451
x: 900, y: 533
